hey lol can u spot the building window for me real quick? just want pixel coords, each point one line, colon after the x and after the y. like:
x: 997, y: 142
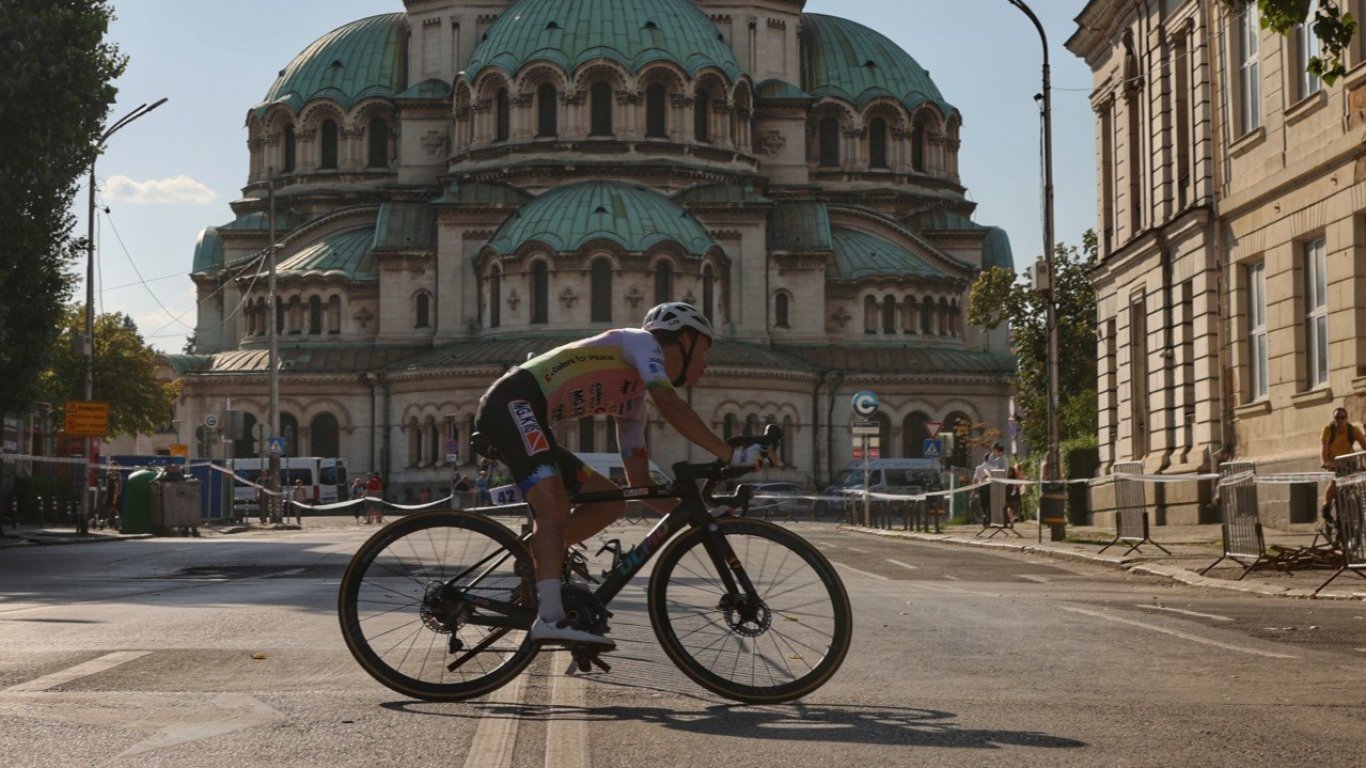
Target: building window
x: 1249, y: 70
x: 334, y: 314
x: 495, y: 297
x: 289, y: 149
x: 1306, y: 47
x: 888, y: 314
x: 502, y: 110
x: 927, y: 316
x: 656, y: 122
x: 1256, y: 331
x: 708, y: 294
x: 728, y: 426
x: 918, y: 146
x: 324, y: 436
x: 315, y: 315
x: 780, y: 310
x: 422, y: 310
x: 877, y: 144
x: 547, y: 111
x: 328, y: 135
x: 379, y: 143
x: 1316, y: 313
x: 1107, y: 178
x: 1182, y: 67
x: 602, y: 291
x: 600, y: 106
x: 701, y: 113
x: 870, y: 314
x: 540, y: 293
x: 829, y: 143
x: 664, y: 282
x: 909, y: 311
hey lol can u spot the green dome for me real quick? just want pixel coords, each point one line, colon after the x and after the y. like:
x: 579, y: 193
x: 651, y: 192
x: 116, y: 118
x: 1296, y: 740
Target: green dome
x: 349, y: 255
x: 633, y: 217
x: 208, y: 251
x: 352, y: 62
x: 631, y: 32
x: 850, y: 61
x: 859, y: 255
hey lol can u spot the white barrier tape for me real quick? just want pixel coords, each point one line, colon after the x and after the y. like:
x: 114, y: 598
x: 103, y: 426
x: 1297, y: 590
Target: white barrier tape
x: 17, y: 457
x: 1161, y: 478
x: 245, y: 481
x: 1285, y: 478
x: 415, y: 507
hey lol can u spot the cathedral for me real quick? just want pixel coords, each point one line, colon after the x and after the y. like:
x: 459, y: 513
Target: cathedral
x: 454, y: 187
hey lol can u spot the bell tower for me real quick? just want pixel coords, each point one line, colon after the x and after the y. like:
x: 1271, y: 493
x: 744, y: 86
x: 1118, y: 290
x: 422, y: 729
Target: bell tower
x: 763, y: 34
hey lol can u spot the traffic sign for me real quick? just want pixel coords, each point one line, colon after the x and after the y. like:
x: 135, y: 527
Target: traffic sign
x: 932, y: 428
x: 858, y: 452
x: 180, y: 449
x: 874, y: 452
x: 864, y: 403
x: 933, y: 449
x: 260, y: 430
x: 863, y: 428
x: 86, y: 419
x: 211, y: 420
x: 277, y: 446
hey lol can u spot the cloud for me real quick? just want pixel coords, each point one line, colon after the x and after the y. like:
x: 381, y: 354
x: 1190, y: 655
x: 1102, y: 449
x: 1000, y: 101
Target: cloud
x: 180, y: 189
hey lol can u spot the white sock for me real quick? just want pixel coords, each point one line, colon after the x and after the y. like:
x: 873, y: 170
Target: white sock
x: 552, y: 605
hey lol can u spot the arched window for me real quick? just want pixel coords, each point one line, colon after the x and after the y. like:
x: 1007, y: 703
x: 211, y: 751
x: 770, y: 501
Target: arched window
x: 701, y: 115
x: 943, y: 317
x: 324, y: 436
x: 315, y: 315
x: 829, y: 142
x: 914, y: 435
x: 243, y: 447
x: 708, y: 294
x: 334, y: 314
x: 888, y: 314
x: 780, y: 310
x: 600, y: 107
x: 884, y: 434
x: 279, y: 315
x: 547, y: 111
x: 414, y: 431
x: 908, y: 315
x: 877, y: 143
x: 502, y: 115
x: 422, y: 310
x: 656, y: 114
x: 379, y: 143
x: 587, y: 440
x: 289, y: 430
x: 289, y: 149
x: 540, y: 293
x: 495, y: 297
x: 927, y: 316
x: 328, y: 136
x: 602, y: 291
x: 918, y: 146
x: 728, y: 426
x: 295, y: 312
x: 433, y: 433
x: 869, y: 314
x: 664, y: 281
x: 789, y: 432
x: 752, y: 426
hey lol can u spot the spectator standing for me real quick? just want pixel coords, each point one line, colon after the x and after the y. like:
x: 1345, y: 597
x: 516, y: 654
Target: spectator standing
x: 357, y: 493
x: 374, y: 504
x: 299, y: 495
x: 997, y: 457
x: 1014, y: 494
x: 481, y: 487
x: 1338, y: 439
x: 982, y: 474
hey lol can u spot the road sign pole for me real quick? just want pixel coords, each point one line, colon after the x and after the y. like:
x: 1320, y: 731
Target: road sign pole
x: 867, y: 473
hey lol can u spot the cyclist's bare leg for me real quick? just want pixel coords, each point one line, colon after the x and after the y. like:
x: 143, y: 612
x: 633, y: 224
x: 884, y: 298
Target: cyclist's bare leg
x: 550, y: 505
x: 589, y: 519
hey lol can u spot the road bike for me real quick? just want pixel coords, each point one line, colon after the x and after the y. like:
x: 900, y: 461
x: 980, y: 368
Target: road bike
x: 438, y: 605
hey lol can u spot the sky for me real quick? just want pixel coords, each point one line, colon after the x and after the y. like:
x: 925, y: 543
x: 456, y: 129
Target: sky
x: 172, y: 172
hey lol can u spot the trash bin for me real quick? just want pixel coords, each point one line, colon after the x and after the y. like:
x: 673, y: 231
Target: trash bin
x: 175, y: 504
x: 137, y: 503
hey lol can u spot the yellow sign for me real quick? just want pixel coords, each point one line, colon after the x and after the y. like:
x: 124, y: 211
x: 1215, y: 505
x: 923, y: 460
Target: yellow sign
x: 85, y: 419
x: 180, y: 449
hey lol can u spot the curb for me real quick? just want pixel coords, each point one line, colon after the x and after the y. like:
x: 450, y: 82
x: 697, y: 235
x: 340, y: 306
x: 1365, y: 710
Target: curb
x: 1171, y: 572
x: 39, y: 541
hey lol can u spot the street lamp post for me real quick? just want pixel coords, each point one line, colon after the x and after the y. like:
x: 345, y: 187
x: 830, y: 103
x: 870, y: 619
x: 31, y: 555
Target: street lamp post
x: 1053, y: 466
x: 88, y: 343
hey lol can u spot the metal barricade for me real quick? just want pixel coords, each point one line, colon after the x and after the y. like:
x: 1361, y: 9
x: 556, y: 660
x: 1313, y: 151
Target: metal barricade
x: 1243, y: 536
x: 997, y: 520
x: 1131, y: 510
x: 1351, y: 514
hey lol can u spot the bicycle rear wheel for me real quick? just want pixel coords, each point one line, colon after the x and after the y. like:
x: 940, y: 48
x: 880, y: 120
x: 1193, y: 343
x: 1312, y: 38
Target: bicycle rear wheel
x: 782, y: 647
x: 435, y: 589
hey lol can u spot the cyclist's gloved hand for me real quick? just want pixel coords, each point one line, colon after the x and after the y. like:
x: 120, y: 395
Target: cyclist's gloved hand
x: 749, y: 456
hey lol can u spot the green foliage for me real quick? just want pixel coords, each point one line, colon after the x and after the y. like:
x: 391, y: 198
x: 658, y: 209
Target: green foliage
x: 1001, y: 296
x: 55, y: 92
x: 1333, y: 26
x: 125, y: 373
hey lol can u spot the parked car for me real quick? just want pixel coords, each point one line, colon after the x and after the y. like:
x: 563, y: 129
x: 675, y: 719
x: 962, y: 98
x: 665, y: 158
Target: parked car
x: 791, y: 500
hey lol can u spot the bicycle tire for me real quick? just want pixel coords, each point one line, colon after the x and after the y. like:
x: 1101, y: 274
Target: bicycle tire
x: 384, y: 605
x: 808, y: 617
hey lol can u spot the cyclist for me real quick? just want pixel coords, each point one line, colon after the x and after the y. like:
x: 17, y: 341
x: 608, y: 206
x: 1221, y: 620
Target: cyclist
x: 609, y: 373
x: 1338, y: 438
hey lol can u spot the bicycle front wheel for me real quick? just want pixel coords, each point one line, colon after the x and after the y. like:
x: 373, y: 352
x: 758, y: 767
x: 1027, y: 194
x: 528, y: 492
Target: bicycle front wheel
x: 778, y: 644
x: 436, y: 606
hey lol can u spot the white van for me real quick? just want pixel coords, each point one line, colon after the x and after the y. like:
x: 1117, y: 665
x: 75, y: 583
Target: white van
x: 609, y: 466
x: 308, y: 469
x: 892, y: 476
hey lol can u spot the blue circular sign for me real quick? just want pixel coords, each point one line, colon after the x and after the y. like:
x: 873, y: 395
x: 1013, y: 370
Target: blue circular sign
x: 864, y: 403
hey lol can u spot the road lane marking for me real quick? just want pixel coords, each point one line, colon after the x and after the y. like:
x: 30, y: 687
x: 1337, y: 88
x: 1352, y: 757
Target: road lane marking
x: 856, y: 549
x: 92, y: 667
x: 1179, y: 633
x: 1034, y: 577
x: 951, y: 577
x: 860, y: 571
x: 1214, y: 616
x: 566, y: 734
x: 903, y: 565
x: 496, y: 734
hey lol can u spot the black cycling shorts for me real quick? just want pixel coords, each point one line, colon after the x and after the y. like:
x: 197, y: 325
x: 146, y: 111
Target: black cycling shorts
x: 512, y: 417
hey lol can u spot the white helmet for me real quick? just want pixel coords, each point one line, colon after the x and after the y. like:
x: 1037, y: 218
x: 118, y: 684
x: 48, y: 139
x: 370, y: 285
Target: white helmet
x: 675, y: 316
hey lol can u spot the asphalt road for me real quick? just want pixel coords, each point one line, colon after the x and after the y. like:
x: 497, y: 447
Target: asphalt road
x: 225, y: 652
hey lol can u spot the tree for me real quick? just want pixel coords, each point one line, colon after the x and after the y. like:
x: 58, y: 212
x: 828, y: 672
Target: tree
x: 1001, y: 296
x: 54, y: 96
x: 125, y: 373
x: 1333, y: 27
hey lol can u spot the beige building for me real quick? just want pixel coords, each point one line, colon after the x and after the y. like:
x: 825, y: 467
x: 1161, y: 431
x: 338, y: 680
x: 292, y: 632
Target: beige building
x: 468, y: 182
x: 1232, y: 212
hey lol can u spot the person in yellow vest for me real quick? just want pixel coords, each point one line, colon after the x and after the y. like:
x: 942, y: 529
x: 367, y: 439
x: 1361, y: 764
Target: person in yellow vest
x: 1338, y: 438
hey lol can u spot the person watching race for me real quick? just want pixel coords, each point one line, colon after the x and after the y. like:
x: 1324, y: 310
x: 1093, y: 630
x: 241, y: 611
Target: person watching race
x: 609, y: 373
x: 1338, y: 438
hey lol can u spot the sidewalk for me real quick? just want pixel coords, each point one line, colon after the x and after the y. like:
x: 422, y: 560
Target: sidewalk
x: 1193, y: 548
x: 34, y: 535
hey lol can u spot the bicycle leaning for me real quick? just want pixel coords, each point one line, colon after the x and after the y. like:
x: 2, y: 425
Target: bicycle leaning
x: 438, y: 605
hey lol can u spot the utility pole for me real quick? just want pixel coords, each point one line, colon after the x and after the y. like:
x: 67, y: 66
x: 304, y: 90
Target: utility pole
x: 273, y: 360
